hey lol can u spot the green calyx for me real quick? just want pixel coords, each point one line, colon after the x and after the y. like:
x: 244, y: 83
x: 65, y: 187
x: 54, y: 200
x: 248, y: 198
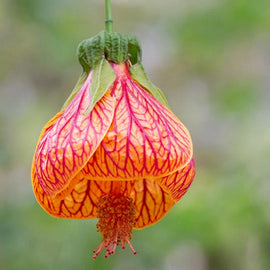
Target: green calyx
x: 95, y: 55
x: 114, y: 47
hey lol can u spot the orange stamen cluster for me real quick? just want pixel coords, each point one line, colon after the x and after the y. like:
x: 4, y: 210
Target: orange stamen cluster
x: 116, y: 215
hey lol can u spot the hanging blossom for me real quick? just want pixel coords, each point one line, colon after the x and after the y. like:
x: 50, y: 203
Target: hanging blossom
x: 115, y: 151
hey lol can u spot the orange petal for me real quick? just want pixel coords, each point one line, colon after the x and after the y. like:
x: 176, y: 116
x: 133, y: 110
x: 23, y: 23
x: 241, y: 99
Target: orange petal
x: 145, y: 139
x: 178, y: 182
x: 79, y: 201
x: 150, y: 200
x: 67, y: 143
x: 75, y: 203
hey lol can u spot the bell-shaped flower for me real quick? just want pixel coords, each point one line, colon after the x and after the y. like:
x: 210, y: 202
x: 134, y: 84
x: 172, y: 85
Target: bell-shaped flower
x: 115, y: 151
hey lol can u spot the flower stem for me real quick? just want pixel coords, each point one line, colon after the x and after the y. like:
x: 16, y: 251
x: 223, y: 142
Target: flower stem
x: 108, y: 20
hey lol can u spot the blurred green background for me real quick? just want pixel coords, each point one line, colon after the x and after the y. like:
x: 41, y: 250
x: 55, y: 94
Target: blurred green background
x: 212, y: 60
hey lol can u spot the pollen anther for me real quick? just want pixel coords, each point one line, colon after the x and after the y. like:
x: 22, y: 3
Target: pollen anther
x: 116, y: 215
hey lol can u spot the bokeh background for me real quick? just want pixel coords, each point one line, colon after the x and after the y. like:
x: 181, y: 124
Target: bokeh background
x: 212, y: 60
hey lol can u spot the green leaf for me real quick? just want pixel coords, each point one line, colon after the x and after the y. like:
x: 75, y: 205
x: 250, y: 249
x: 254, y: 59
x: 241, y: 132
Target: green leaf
x: 139, y: 75
x: 102, y: 78
x: 76, y: 89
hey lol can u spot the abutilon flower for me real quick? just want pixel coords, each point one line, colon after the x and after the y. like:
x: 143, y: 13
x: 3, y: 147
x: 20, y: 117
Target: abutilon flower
x: 115, y: 151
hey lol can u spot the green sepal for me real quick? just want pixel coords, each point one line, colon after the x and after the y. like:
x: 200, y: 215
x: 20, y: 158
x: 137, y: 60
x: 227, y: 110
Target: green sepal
x: 114, y: 47
x: 139, y: 75
x: 134, y: 50
x: 102, y: 78
x: 76, y: 89
x: 91, y: 51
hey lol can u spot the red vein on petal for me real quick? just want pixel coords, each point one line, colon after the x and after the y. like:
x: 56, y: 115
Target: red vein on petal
x: 151, y: 202
x: 178, y: 182
x: 68, y: 144
x: 144, y: 140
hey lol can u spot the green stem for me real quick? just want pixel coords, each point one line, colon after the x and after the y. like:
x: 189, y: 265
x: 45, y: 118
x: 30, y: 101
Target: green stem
x: 108, y: 20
